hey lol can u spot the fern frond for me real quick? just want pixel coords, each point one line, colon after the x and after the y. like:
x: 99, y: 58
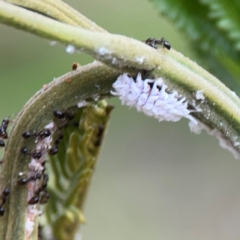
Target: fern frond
x: 73, y: 167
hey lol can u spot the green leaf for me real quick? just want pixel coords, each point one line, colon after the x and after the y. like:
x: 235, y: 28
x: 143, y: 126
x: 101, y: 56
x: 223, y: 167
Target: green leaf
x: 226, y: 15
x: 217, y: 48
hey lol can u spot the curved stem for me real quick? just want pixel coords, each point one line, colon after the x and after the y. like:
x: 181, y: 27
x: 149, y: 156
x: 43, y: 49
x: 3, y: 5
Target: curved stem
x: 76, y: 16
x: 75, y: 86
x: 44, y: 8
x: 116, y: 50
x: 60, y: 11
x: 221, y: 108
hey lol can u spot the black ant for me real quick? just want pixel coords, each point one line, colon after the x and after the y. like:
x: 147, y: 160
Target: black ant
x: 5, y: 194
x: 153, y: 42
x: 34, y: 154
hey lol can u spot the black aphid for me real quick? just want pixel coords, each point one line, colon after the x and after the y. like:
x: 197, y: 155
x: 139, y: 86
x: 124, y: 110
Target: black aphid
x: 59, y: 114
x: 53, y: 150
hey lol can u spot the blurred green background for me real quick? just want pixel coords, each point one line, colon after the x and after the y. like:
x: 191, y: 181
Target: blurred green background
x: 153, y: 180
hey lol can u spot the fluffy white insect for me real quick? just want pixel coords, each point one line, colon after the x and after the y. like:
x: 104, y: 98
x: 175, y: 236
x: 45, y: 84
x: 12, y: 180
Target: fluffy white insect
x: 150, y: 96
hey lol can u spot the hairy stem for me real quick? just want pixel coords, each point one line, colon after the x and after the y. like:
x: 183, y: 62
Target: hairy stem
x: 75, y: 86
x: 60, y: 11
x: 116, y: 50
x: 221, y: 108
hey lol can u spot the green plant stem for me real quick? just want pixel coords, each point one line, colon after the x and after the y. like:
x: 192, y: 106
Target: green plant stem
x: 60, y: 11
x: 45, y: 9
x: 124, y: 53
x: 75, y: 86
x: 108, y: 48
x: 76, y: 16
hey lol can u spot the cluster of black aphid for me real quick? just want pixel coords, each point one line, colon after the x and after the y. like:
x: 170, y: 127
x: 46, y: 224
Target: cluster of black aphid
x: 3, y: 131
x: 24, y: 181
x: 41, y: 195
x: 34, y: 154
x: 153, y: 42
x: 4, y: 196
x: 41, y: 135
x: 4, y: 135
x: 61, y: 120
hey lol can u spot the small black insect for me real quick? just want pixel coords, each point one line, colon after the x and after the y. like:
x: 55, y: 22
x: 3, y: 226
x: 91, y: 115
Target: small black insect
x: 153, y: 42
x: 38, y: 197
x: 26, y: 135
x: 59, y: 114
x: 2, y: 143
x: 42, y: 134
x: 69, y: 115
x: 23, y: 150
x: 59, y: 137
x: 34, y: 154
x: 44, y: 197
x: 3, y: 130
x: 24, y: 181
x: 53, y: 150
x: 44, y: 184
x: 1, y: 211
x: 5, y: 194
x: 45, y: 181
x: 34, y: 200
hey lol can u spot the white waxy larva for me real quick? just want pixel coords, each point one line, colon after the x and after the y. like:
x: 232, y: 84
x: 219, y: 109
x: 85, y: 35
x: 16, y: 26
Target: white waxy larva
x: 150, y: 96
